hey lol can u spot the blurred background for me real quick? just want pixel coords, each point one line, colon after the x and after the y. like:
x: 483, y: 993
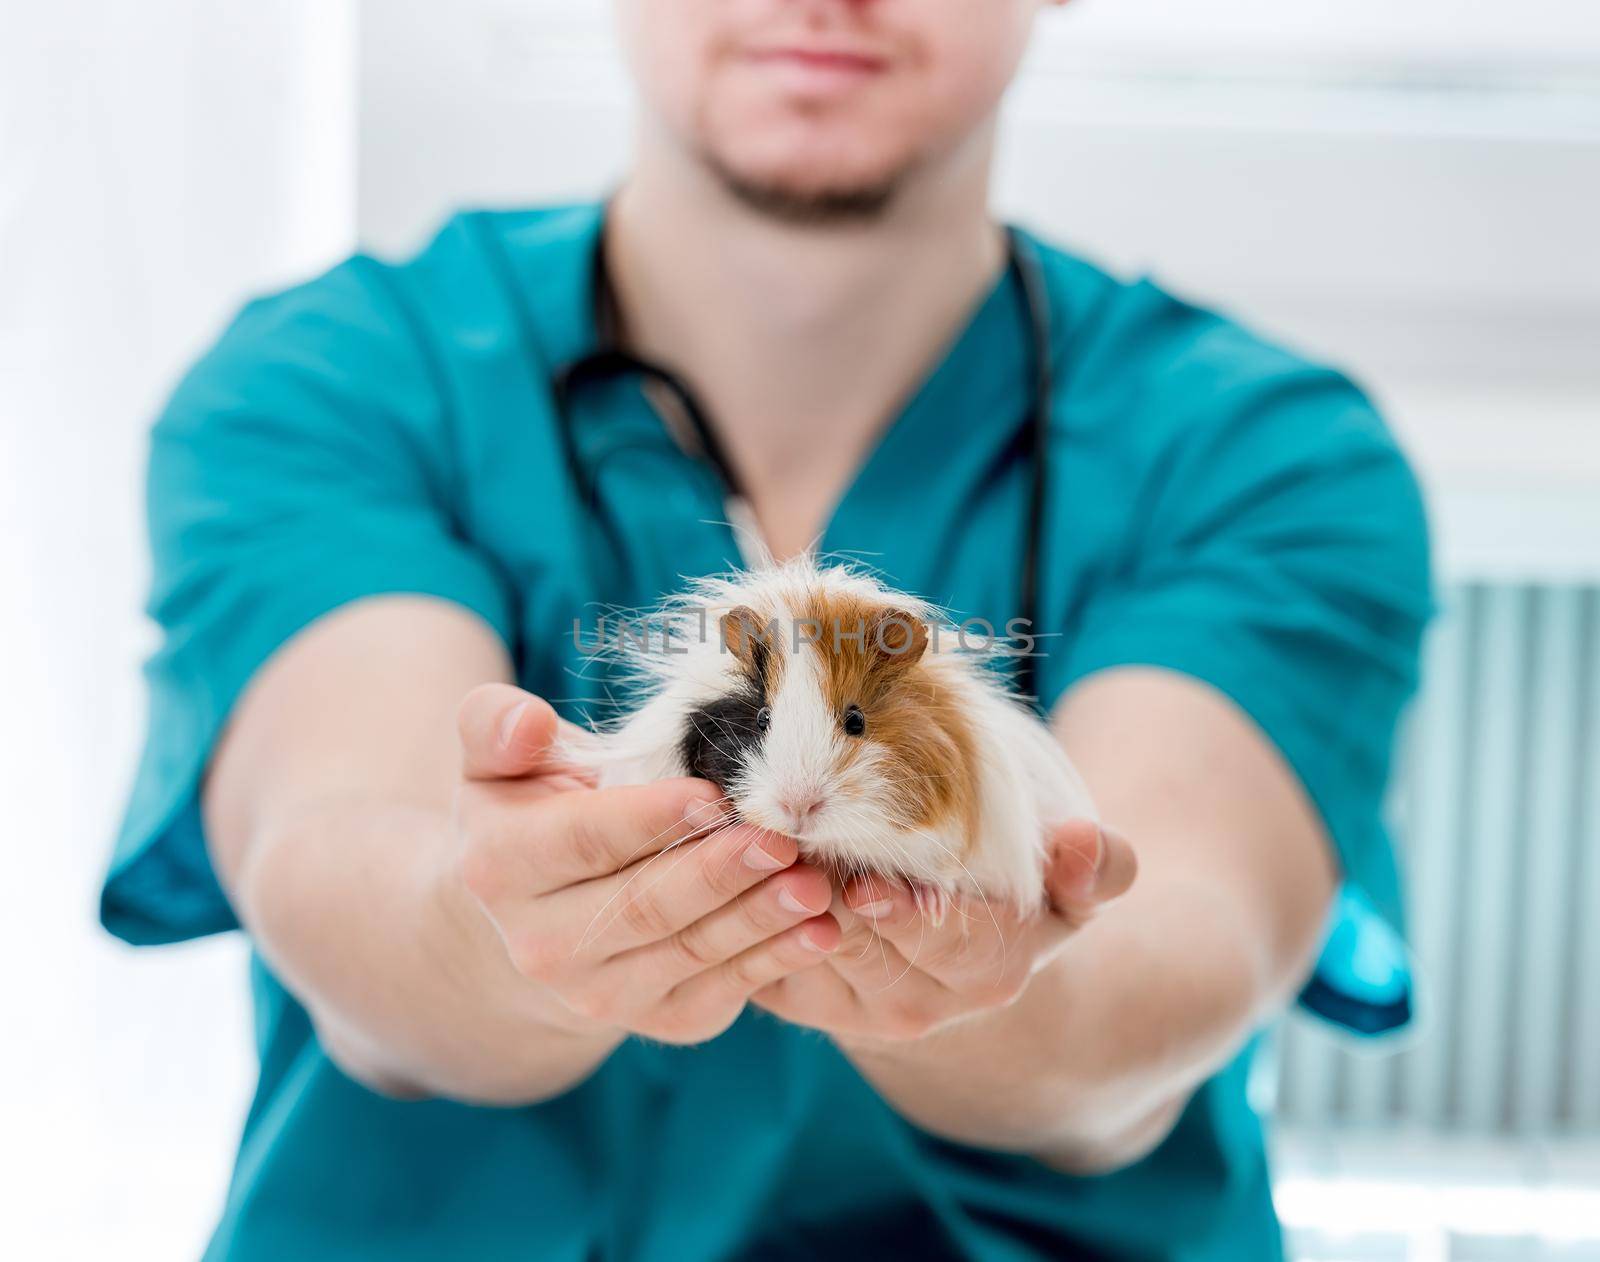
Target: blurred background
x: 1412, y: 191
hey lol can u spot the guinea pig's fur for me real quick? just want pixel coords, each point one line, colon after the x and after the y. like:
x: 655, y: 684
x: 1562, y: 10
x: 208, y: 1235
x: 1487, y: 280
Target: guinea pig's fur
x: 852, y: 718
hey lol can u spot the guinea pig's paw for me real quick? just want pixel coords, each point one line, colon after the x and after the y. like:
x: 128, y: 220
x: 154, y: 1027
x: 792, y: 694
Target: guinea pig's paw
x: 933, y: 903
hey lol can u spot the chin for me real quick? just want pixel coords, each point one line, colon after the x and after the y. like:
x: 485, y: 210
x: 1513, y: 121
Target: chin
x: 810, y: 196
x: 800, y: 166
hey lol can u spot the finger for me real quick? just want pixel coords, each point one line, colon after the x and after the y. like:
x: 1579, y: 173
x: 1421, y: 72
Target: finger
x: 505, y: 732
x: 574, y: 838
x: 659, y: 896
x: 870, y: 962
x: 728, y: 986
x: 825, y: 999
x: 714, y: 998
x: 569, y: 739
x: 777, y: 903
x: 1119, y: 868
x: 817, y: 997
x: 565, y: 782
x: 896, y: 1000
x: 1089, y: 866
x: 969, y: 942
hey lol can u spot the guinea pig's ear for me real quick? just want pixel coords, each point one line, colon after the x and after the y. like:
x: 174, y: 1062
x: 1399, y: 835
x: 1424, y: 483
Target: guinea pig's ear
x: 898, y: 638
x: 747, y: 639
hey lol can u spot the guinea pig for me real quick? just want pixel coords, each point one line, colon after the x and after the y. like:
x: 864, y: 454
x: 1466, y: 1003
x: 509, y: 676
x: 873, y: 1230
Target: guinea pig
x: 854, y: 719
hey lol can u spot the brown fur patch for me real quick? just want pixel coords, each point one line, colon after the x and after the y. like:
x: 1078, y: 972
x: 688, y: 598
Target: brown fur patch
x: 756, y: 646
x: 873, y: 657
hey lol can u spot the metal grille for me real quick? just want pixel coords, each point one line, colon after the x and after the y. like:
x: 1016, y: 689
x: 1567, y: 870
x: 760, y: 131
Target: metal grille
x: 1496, y: 808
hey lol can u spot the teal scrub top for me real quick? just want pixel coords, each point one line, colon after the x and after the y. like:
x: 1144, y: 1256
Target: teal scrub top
x: 1219, y: 507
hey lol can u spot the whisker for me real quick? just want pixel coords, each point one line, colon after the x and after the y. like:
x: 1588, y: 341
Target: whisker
x: 660, y: 876
x: 583, y: 940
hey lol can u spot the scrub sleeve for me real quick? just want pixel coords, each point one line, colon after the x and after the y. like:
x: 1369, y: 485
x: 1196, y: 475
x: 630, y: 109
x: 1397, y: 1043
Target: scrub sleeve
x: 1283, y: 560
x: 300, y: 465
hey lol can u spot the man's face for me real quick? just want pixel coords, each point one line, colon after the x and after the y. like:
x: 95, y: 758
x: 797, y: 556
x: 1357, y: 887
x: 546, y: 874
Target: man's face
x: 819, y: 106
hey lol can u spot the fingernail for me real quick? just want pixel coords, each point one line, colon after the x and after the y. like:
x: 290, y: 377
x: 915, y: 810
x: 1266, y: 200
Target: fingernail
x: 790, y: 903
x: 1082, y: 882
x: 805, y: 937
x: 876, y: 909
x: 702, y: 812
x: 757, y: 858
x: 508, y: 725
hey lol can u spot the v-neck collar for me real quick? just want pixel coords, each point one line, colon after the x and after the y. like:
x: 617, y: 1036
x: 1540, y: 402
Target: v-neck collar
x: 968, y: 411
x: 966, y: 415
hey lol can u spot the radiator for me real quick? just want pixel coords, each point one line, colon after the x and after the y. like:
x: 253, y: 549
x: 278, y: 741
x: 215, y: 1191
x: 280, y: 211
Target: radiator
x: 1495, y: 807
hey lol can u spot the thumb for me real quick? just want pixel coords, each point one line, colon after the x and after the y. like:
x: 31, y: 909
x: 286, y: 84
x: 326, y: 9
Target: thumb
x: 1089, y: 864
x: 505, y: 732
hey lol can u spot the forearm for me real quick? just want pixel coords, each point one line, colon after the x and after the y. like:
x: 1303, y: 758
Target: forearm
x: 357, y: 907
x: 1090, y: 1066
x: 1092, y: 1063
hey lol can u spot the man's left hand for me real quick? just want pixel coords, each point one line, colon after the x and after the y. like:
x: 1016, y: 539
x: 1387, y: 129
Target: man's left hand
x: 908, y: 966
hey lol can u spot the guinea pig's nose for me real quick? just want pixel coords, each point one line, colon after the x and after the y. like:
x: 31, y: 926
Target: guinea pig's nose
x: 801, y: 807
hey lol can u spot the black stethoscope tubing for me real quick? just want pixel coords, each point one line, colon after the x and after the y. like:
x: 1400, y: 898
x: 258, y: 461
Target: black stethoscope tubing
x: 612, y: 361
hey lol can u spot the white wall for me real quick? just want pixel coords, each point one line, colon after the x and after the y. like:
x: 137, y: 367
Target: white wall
x: 157, y: 161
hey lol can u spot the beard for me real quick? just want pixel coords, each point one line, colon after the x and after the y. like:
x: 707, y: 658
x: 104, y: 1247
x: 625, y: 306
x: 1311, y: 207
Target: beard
x: 809, y: 207
x: 807, y: 194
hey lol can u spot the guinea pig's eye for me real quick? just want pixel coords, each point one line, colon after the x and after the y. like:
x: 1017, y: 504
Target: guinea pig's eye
x: 855, y: 723
x: 763, y: 719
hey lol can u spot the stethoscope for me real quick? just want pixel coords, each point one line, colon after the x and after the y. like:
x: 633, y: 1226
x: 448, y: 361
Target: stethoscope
x: 612, y: 361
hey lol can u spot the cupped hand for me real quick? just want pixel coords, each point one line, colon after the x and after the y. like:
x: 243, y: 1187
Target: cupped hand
x: 641, y: 910
x: 909, y: 964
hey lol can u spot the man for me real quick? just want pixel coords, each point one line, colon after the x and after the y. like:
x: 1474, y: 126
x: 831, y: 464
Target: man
x: 479, y: 1036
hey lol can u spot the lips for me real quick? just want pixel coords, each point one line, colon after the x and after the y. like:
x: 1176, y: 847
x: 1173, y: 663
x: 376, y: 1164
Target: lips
x: 839, y: 60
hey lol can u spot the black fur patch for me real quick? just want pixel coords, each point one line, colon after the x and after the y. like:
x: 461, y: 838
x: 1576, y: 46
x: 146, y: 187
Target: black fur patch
x: 717, y: 736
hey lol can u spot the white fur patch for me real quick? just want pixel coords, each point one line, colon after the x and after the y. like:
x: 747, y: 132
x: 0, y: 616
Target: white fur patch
x: 1025, y: 782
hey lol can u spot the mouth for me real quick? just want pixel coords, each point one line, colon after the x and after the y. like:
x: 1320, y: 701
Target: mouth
x: 784, y: 822
x: 819, y: 68
x: 803, y: 828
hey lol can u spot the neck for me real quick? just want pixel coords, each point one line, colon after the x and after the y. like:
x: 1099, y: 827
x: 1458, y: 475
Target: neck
x: 803, y: 341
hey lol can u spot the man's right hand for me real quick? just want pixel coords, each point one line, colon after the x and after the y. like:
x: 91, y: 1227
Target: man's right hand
x: 642, y: 910
x: 361, y: 854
